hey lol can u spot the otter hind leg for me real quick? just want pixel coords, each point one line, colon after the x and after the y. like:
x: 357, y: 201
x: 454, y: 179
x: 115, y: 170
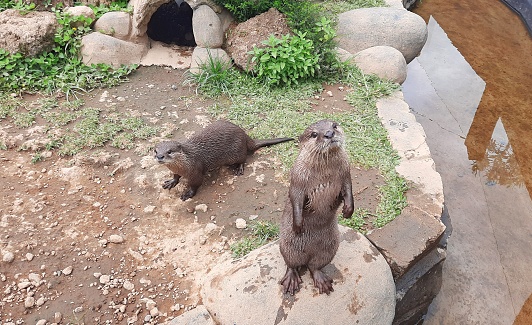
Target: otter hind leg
x: 237, y: 168
x: 291, y: 281
x: 171, y: 183
x: 322, y: 281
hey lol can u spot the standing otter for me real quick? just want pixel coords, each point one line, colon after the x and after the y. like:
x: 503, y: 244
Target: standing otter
x: 319, y: 181
x: 221, y: 143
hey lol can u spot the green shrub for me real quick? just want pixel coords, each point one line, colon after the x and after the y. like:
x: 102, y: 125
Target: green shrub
x: 285, y: 60
x: 61, y: 68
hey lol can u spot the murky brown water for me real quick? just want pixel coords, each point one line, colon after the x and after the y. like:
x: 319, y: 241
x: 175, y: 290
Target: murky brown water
x: 495, y: 42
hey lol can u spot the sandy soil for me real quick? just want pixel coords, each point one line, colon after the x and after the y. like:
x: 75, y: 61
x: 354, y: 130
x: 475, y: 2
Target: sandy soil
x: 95, y: 239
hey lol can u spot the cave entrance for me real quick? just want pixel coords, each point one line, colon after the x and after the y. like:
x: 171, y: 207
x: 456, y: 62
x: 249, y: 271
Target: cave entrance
x: 172, y: 24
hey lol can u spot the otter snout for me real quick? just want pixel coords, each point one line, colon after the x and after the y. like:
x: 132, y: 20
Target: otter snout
x: 329, y: 134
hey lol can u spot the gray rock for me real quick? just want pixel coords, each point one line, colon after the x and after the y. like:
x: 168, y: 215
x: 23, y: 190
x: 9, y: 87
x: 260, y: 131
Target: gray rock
x: 247, y: 291
x: 196, y: 316
x: 203, y: 56
x: 114, y: 23
x: 403, y: 30
x: 8, y: 256
x: 383, y: 61
x: 80, y: 11
x: 101, y: 48
x: 207, y: 27
x: 29, y: 34
x: 407, y: 238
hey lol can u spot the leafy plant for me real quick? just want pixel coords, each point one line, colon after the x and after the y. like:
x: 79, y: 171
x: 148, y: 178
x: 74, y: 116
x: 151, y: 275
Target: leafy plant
x: 285, y: 60
x: 59, y: 69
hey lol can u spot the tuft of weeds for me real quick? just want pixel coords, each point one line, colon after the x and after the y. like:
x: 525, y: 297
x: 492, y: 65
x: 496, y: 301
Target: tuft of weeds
x: 262, y: 232
x: 212, y: 76
x: 357, y: 220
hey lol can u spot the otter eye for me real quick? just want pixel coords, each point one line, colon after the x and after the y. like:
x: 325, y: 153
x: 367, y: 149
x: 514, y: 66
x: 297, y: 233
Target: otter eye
x: 169, y: 152
x: 335, y: 126
x: 314, y: 135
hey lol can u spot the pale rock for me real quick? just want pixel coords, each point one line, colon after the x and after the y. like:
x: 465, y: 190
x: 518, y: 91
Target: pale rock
x: 240, y: 223
x: 67, y: 270
x: 29, y: 302
x: 8, y: 256
x: 128, y: 285
x: 201, y: 207
x: 116, y: 239
x: 104, y: 279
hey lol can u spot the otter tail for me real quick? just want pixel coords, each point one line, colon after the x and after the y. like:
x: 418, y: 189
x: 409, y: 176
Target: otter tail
x: 268, y: 142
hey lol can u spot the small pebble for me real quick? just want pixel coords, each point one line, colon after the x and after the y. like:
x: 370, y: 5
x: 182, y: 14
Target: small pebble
x: 105, y: 279
x: 116, y: 239
x: 8, y: 257
x: 201, y: 207
x: 29, y: 302
x: 67, y: 270
x: 240, y: 223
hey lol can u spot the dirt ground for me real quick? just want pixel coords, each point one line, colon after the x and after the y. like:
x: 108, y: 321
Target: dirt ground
x: 95, y: 239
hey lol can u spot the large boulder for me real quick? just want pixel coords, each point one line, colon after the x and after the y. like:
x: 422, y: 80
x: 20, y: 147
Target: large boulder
x: 114, y: 23
x: 247, y: 291
x: 29, y: 34
x: 207, y: 27
x: 403, y: 30
x: 100, y: 48
x: 245, y: 36
x: 383, y: 61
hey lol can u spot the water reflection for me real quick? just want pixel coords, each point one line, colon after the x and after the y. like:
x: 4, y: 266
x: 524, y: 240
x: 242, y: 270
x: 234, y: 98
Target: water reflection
x: 496, y: 158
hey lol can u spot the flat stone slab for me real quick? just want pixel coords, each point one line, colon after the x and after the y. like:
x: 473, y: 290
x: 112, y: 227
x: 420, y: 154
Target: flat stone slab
x: 404, y: 240
x: 247, y: 291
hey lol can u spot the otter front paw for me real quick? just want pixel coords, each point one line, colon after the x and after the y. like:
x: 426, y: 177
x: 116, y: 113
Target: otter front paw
x: 169, y: 184
x: 347, y: 211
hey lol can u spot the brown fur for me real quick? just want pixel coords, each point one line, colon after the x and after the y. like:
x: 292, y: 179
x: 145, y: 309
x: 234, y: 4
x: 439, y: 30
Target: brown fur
x: 221, y: 143
x: 319, y: 181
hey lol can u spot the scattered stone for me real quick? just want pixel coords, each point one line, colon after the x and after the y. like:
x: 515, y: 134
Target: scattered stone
x: 78, y: 310
x: 40, y: 301
x: 150, y: 304
x: 105, y: 279
x: 116, y: 239
x: 41, y: 322
x: 149, y: 209
x: 201, y: 207
x: 58, y: 317
x: 29, y: 257
x: 23, y: 285
x: 35, y: 279
x: 8, y: 256
x: 210, y: 228
x: 67, y: 270
x: 154, y: 312
x: 29, y: 302
x: 240, y: 223
x: 128, y: 285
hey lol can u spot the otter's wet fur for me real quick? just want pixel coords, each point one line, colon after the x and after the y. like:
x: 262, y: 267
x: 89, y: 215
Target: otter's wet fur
x: 320, y: 181
x: 222, y: 143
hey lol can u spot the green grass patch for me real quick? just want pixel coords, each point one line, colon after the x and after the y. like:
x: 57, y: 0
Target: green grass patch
x: 338, y: 6
x: 262, y: 232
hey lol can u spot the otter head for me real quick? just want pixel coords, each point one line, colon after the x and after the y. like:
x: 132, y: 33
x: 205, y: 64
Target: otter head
x: 323, y: 137
x: 169, y: 152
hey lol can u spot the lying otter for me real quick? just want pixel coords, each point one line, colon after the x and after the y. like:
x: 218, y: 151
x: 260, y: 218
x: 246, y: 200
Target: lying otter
x: 319, y: 181
x: 221, y: 143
